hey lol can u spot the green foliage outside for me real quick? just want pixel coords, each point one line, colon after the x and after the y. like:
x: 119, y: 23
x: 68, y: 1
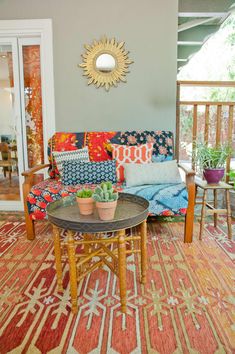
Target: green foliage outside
x: 214, y: 61
x: 231, y: 175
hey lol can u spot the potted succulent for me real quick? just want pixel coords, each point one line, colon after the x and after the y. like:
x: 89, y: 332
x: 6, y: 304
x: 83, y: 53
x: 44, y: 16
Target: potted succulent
x: 231, y: 175
x: 106, y: 200
x: 211, y: 160
x: 85, y: 201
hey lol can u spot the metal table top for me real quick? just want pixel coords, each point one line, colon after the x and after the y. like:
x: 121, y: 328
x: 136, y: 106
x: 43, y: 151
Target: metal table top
x: 131, y: 210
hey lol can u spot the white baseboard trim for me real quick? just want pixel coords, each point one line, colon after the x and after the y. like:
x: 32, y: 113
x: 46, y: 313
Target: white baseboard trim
x: 11, y: 206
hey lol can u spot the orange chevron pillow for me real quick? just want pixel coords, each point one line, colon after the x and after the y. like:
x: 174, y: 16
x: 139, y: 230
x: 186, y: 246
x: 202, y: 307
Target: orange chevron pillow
x: 130, y: 154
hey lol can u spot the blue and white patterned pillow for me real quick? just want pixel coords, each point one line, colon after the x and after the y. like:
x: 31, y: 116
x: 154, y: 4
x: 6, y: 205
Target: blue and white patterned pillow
x: 89, y: 172
x: 74, y: 155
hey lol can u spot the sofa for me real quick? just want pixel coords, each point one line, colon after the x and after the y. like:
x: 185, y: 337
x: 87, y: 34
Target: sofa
x: 165, y: 199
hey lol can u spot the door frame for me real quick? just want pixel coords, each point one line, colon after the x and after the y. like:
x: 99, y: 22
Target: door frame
x: 42, y: 28
x: 5, y: 204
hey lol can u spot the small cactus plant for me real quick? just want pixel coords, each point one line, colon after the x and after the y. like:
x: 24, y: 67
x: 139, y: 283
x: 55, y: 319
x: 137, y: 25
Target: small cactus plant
x: 105, y: 193
x: 84, y: 193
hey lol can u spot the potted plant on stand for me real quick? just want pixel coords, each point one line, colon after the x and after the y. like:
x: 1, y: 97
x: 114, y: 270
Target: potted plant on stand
x: 231, y: 175
x: 211, y: 160
x: 85, y: 201
x: 106, y: 200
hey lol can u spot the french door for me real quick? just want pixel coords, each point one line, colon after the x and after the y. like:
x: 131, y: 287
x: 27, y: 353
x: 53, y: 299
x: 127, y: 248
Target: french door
x: 31, y: 101
x: 26, y: 101
x: 11, y: 134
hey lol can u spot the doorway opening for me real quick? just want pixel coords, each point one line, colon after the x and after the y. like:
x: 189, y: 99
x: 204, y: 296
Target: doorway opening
x: 26, y: 103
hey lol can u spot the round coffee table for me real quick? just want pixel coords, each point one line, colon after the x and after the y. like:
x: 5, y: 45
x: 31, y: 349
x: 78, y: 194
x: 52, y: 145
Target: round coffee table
x: 111, y: 250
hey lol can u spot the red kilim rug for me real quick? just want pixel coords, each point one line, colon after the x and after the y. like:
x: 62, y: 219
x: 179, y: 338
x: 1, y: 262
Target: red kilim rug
x: 187, y: 305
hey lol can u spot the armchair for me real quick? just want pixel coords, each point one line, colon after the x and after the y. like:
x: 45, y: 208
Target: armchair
x: 38, y: 195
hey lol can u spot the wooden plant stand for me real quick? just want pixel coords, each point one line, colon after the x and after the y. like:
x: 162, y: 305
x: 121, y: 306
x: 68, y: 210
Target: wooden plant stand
x: 208, y: 208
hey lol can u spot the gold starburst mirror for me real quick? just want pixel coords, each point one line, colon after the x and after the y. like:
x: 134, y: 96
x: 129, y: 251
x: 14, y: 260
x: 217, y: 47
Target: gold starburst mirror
x: 105, y: 63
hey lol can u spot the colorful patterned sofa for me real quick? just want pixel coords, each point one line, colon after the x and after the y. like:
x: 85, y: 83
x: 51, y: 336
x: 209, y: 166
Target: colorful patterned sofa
x: 165, y: 199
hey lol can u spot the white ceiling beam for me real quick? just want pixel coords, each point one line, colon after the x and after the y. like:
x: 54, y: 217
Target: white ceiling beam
x: 182, y: 60
x: 224, y: 18
x: 192, y: 43
x: 194, y: 23
x: 202, y: 14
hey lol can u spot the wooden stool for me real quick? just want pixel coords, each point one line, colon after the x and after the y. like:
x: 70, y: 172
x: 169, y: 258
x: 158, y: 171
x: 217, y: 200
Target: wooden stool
x: 213, y: 209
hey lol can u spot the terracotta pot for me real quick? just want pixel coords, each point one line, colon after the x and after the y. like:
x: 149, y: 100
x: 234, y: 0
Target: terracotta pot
x: 86, y: 205
x: 213, y: 176
x: 106, y: 210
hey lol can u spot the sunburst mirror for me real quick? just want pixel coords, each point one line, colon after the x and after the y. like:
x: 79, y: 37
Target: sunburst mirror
x: 105, y: 63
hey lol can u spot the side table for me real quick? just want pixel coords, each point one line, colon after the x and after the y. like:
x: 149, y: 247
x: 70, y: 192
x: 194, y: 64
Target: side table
x: 111, y: 251
x: 211, y: 207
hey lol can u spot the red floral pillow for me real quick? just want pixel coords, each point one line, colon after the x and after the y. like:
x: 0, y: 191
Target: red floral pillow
x: 127, y: 154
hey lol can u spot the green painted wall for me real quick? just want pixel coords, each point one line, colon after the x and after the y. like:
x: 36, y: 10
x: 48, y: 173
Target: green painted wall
x: 149, y: 28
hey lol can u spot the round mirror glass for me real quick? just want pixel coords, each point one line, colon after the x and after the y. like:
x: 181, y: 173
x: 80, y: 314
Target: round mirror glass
x: 105, y: 63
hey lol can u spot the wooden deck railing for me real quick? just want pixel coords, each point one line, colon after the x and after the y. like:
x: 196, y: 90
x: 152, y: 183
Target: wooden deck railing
x: 207, y: 104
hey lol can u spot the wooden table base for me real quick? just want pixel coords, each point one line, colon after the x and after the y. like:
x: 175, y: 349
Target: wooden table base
x: 95, y: 245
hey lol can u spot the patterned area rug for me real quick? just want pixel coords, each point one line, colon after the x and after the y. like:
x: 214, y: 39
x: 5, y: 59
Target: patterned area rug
x: 187, y: 305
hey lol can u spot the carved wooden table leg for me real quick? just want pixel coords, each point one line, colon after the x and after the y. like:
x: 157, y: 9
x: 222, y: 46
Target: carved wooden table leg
x: 87, y: 250
x: 143, y: 246
x: 122, y: 268
x: 203, y: 213
x: 228, y: 207
x: 87, y: 237
x: 58, y: 263
x: 216, y: 207
x: 72, y: 271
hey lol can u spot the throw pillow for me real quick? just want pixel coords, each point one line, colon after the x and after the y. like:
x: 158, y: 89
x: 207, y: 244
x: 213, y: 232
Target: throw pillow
x: 126, y: 154
x: 75, y: 155
x: 89, y: 172
x: 152, y: 173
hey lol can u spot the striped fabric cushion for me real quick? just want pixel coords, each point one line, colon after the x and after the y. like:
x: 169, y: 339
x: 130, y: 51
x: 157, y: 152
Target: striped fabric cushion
x: 128, y: 154
x: 74, y: 155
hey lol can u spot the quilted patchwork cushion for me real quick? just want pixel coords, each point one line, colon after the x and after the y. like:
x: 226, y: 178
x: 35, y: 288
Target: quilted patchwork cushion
x: 164, y: 199
x: 126, y: 154
x: 99, y: 144
x: 50, y: 190
x: 162, y: 142
x: 89, y: 172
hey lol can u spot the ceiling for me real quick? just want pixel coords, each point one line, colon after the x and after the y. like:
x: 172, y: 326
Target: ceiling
x: 197, y: 21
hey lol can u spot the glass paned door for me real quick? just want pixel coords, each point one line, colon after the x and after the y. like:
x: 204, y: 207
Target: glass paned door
x: 27, y: 114
x: 31, y: 97
x: 11, y: 165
